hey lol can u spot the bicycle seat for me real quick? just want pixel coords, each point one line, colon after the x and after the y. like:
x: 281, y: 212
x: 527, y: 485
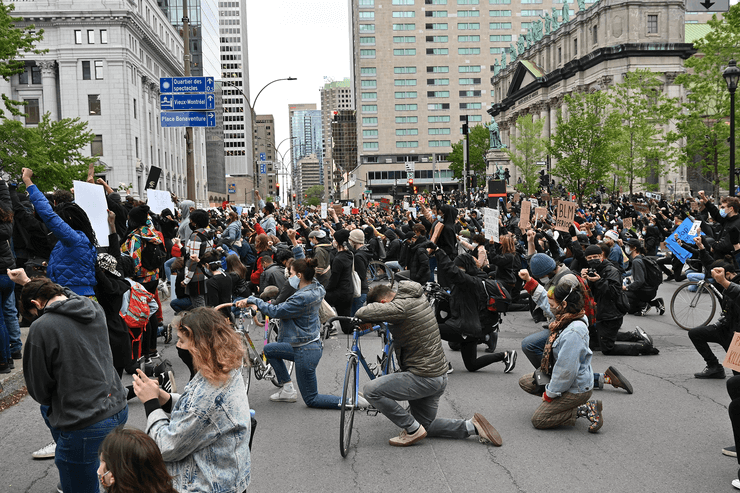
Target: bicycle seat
x: 269, y: 293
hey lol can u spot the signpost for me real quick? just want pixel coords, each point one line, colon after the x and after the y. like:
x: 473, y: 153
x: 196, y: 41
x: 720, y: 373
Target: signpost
x: 168, y: 85
x: 707, y: 5
x: 187, y: 101
x: 188, y: 118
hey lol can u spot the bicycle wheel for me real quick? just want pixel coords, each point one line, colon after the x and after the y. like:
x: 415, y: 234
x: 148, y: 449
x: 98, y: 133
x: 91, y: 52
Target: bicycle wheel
x: 390, y: 363
x: 347, y: 414
x: 693, y: 309
x: 378, y: 272
x: 246, y: 365
x: 272, y: 337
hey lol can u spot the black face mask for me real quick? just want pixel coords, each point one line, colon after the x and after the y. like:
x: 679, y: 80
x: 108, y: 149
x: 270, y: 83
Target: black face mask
x: 594, y: 264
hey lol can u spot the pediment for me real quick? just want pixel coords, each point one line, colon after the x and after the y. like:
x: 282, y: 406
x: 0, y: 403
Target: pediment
x: 526, y: 73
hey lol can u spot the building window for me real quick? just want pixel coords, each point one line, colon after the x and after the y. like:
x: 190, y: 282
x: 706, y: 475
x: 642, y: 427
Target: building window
x: 404, y: 14
x: 407, y: 119
x: 652, y: 24
x: 406, y: 95
x: 438, y: 51
x: 369, y: 108
x: 404, y: 39
x: 368, y: 71
x: 438, y: 119
x: 560, y: 55
x: 404, y: 27
x: 78, y: 36
x: 367, y: 3
x: 438, y: 70
x: 367, y: 40
x: 86, y: 70
x: 404, y: 82
x: 439, y: 143
x: 367, y: 15
x: 367, y: 53
x: 367, y: 28
x: 93, y: 104
x: 370, y: 146
x: 499, y: 25
x: 98, y: 69
x: 404, y: 70
x: 435, y: 2
x: 468, y: 68
x: 369, y: 133
x: 136, y: 146
x: 437, y: 39
x: 91, y: 36
x: 468, y: 13
x: 470, y: 106
x: 439, y: 131
x: 369, y: 95
x: 437, y: 27
x: 500, y: 2
x: 370, y: 120
x: 104, y: 36
x: 403, y: 2
x: 407, y: 131
x: 469, y: 39
x: 499, y: 37
x: 438, y: 82
x: 436, y: 13
x: 468, y: 2
x: 135, y: 109
x: 96, y: 147
x: 406, y: 107
x: 469, y: 26
x: 438, y: 106
x: 407, y: 143
x: 575, y: 46
x: 35, y: 75
x: 369, y: 83
x: 468, y: 51
x: 32, y: 111
x: 404, y: 52
x: 596, y: 34
x: 438, y: 94
x: 469, y: 82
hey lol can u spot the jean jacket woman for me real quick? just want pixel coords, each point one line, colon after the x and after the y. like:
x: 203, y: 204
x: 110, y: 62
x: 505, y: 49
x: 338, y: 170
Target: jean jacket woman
x: 205, y: 439
x: 572, y: 370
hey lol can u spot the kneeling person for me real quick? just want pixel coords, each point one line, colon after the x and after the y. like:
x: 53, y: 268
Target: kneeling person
x: 423, y: 376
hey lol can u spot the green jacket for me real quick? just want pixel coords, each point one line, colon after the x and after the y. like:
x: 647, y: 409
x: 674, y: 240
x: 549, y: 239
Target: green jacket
x: 415, y: 332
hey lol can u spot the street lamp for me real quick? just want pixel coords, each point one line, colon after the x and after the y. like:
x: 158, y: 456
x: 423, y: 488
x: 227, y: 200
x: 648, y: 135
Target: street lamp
x: 731, y: 75
x: 253, y: 116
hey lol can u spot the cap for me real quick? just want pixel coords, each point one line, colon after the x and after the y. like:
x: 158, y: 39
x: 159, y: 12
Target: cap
x: 612, y: 235
x: 108, y: 263
x: 540, y: 265
x: 341, y: 236
x: 592, y: 250
x: 319, y: 233
x: 357, y: 236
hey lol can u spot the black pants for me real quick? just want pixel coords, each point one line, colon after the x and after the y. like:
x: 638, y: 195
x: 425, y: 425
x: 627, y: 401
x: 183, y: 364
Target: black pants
x: 638, y: 299
x: 608, y: 333
x: 187, y: 358
x: 469, y: 349
x: 149, y: 339
x: 342, y: 305
x: 733, y: 389
x: 702, y: 336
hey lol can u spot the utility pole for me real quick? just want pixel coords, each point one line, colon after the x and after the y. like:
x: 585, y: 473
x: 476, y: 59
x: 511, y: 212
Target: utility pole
x: 466, y: 156
x: 189, y: 157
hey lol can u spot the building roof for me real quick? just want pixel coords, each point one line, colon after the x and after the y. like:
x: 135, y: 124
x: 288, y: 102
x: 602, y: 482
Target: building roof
x: 695, y: 32
x: 536, y: 71
x: 338, y: 83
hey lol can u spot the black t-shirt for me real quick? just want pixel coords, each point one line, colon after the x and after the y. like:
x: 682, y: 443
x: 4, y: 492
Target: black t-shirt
x: 218, y: 290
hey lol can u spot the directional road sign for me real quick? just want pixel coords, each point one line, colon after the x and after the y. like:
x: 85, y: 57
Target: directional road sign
x: 188, y: 118
x: 263, y: 169
x: 263, y: 156
x: 169, y: 85
x: 187, y: 101
x: 707, y: 5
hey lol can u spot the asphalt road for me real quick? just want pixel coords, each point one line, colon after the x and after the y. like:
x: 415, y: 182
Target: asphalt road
x: 666, y: 437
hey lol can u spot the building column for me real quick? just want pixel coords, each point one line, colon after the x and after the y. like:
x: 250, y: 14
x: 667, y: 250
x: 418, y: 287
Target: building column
x: 49, y: 84
x: 545, y: 115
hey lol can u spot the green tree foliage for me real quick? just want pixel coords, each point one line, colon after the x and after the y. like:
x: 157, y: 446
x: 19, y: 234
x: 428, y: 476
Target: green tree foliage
x: 583, y: 143
x: 13, y: 42
x: 529, y: 148
x: 645, y: 112
x: 51, y: 150
x: 315, y: 195
x: 479, y: 143
x: 702, y: 129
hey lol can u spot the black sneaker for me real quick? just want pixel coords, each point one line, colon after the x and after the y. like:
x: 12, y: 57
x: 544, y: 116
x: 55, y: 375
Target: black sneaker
x: 717, y: 372
x: 16, y: 355
x: 643, y: 311
x: 449, y: 368
x: 168, y: 334
x: 660, y: 306
x: 167, y: 382
x: 730, y: 451
x: 509, y: 361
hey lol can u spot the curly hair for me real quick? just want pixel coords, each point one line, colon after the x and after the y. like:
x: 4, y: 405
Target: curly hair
x: 77, y: 219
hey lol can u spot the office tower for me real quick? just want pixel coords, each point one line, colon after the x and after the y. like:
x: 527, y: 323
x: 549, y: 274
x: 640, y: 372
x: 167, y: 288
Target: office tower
x: 335, y: 96
x: 306, y: 136
x: 264, y: 146
x: 344, y: 148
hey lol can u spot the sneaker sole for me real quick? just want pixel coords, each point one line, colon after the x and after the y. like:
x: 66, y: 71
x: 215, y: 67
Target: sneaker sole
x: 597, y: 426
x: 729, y: 453
x: 284, y: 399
x: 613, y: 373
x: 512, y: 363
x: 42, y: 457
x: 716, y: 376
x: 486, y: 432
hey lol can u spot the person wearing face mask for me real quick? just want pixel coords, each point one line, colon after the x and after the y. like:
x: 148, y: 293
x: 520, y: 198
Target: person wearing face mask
x: 728, y: 218
x: 68, y: 367
x: 644, y: 286
x: 299, y: 338
x: 615, y: 251
x: 339, y: 291
x: 322, y: 253
x: 567, y: 362
x: 606, y: 286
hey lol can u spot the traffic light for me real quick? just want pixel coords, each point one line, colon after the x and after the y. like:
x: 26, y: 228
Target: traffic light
x: 277, y: 188
x: 465, y: 129
x: 543, y: 178
x: 293, y: 196
x: 415, y: 192
x: 410, y: 183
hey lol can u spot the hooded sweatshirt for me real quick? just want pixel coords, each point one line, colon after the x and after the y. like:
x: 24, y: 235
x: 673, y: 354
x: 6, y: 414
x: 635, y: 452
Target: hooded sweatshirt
x: 184, y: 231
x: 68, y: 365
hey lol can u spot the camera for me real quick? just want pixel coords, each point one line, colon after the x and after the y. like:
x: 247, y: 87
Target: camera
x: 591, y: 273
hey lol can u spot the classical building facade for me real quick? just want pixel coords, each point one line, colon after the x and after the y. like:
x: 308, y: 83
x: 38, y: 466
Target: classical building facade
x: 591, y: 52
x: 103, y: 66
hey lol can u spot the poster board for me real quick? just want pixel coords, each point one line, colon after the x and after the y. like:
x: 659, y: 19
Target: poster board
x: 642, y: 208
x: 91, y: 198
x: 525, y: 214
x: 627, y: 223
x: 337, y: 209
x: 490, y: 223
x: 545, y: 197
x: 534, y: 202
x: 159, y: 200
x: 540, y: 213
x: 346, y: 210
x: 516, y: 198
x: 324, y: 206
x: 732, y: 359
x: 564, y: 214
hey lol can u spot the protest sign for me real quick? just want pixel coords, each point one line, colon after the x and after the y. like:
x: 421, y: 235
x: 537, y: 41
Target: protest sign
x: 346, y: 210
x: 337, y: 209
x: 681, y: 253
x: 732, y: 359
x: 516, y: 198
x: 490, y: 223
x: 564, y: 214
x: 91, y: 198
x: 525, y: 214
x: 323, y: 210
x: 540, y: 213
x: 627, y: 223
x: 694, y: 205
x: 159, y: 200
x: 545, y: 197
x: 684, y: 231
x: 644, y: 209
x: 534, y: 202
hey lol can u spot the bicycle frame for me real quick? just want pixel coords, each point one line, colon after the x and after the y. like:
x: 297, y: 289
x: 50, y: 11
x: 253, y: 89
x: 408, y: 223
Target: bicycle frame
x: 356, y: 351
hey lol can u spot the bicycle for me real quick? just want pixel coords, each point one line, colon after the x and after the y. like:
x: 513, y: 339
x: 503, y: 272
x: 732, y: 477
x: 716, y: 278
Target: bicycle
x: 694, y: 308
x: 377, y: 271
x: 387, y: 363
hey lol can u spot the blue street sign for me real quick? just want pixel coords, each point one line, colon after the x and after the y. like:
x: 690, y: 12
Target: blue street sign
x: 187, y: 101
x: 263, y: 169
x: 188, y: 118
x: 263, y: 156
x: 169, y: 85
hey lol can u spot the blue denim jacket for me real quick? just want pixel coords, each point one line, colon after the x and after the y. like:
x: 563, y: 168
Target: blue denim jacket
x: 205, y: 441
x: 299, y: 314
x: 572, y: 370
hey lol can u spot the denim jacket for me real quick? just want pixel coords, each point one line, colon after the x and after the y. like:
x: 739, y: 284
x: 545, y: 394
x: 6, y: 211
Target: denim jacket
x: 205, y: 440
x: 572, y: 370
x: 299, y: 314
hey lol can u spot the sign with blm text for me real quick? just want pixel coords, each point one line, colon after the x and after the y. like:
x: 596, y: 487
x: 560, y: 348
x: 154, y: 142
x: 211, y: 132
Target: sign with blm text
x: 564, y: 214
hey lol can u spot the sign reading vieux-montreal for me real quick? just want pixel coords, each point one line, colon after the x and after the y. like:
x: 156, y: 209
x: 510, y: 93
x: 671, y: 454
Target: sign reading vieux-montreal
x: 188, y: 118
x: 186, y: 84
x: 187, y: 101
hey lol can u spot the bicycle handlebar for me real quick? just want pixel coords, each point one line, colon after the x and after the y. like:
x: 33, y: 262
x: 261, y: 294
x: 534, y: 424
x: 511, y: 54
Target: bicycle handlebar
x: 352, y: 320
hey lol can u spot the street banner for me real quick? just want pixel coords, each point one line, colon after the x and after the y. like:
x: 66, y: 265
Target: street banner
x: 564, y: 214
x: 91, y: 198
x: 490, y: 223
x: 644, y: 209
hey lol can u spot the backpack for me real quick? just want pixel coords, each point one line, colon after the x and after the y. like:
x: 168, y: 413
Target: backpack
x: 498, y: 298
x: 653, y: 276
x: 153, y: 255
x: 137, y: 313
x: 381, y: 250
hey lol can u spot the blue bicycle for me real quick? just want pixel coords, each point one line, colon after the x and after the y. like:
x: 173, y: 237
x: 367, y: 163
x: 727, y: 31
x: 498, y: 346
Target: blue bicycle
x: 387, y: 363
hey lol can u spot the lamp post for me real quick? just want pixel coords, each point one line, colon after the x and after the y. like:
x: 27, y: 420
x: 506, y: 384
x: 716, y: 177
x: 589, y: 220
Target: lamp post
x: 731, y: 75
x: 253, y: 117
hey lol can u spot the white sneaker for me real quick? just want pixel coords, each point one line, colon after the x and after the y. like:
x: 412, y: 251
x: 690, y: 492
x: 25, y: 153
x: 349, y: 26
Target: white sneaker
x: 284, y: 396
x: 736, y: 484
x: 46, y: 452
x: 362, y: 403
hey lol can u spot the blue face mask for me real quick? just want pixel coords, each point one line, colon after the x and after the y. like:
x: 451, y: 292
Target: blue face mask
x: 294, y: 282
x: 723, y: 212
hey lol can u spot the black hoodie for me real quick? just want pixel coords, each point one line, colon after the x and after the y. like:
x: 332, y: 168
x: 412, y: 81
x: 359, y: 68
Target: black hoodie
x: 68, y: 365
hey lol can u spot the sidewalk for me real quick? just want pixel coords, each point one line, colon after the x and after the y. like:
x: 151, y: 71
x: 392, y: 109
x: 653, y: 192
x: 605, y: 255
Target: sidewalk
x: 10, y: 382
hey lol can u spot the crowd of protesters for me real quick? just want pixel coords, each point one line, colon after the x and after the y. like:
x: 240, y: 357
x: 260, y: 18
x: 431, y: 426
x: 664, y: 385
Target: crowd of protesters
x: 96, y: 312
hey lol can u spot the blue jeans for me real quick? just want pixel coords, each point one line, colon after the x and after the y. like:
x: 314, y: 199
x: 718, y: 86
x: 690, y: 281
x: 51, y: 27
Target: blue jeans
x: 77, y: 457
x: 306, y: 360
x: 10, y: 313
x: 6, y: 291
x: 357, y: 304
x: 432, y: 267
x: 168, y: 268
x: 534, y: 345
x: 423, y: 395
x: 393, y: 264
x: 694, y: 276
x: 180, y: 304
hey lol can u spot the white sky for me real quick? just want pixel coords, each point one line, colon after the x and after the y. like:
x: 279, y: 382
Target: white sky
x: 307, y: 39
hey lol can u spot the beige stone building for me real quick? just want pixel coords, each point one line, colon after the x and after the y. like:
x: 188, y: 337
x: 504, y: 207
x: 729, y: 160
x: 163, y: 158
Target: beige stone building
x: 307, y: 175
x: 264, y: 143
x: 592, y: 52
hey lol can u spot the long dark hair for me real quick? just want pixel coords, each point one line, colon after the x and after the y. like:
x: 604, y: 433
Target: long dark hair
x: 135, y: 462
x: 77, y: 219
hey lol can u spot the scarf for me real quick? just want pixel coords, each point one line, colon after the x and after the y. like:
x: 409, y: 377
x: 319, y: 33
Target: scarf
x: 562, y: 320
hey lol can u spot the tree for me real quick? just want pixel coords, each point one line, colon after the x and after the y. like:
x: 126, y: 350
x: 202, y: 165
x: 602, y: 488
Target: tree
x: 529, y: 148
x: 645, y: 111
x: 315, y: 195
x: 52, y: 150
x: 15, y: 41
x: 702, y: 128
x: 479, y: 145
x: 583, y: 143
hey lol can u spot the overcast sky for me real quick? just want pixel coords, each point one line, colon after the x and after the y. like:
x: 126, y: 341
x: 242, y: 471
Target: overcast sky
x: 307, y: 39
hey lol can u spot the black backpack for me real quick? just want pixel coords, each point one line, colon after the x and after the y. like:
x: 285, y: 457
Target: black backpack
x: 497, y: 298
x: 653, y: 276
x: 153, y: 255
